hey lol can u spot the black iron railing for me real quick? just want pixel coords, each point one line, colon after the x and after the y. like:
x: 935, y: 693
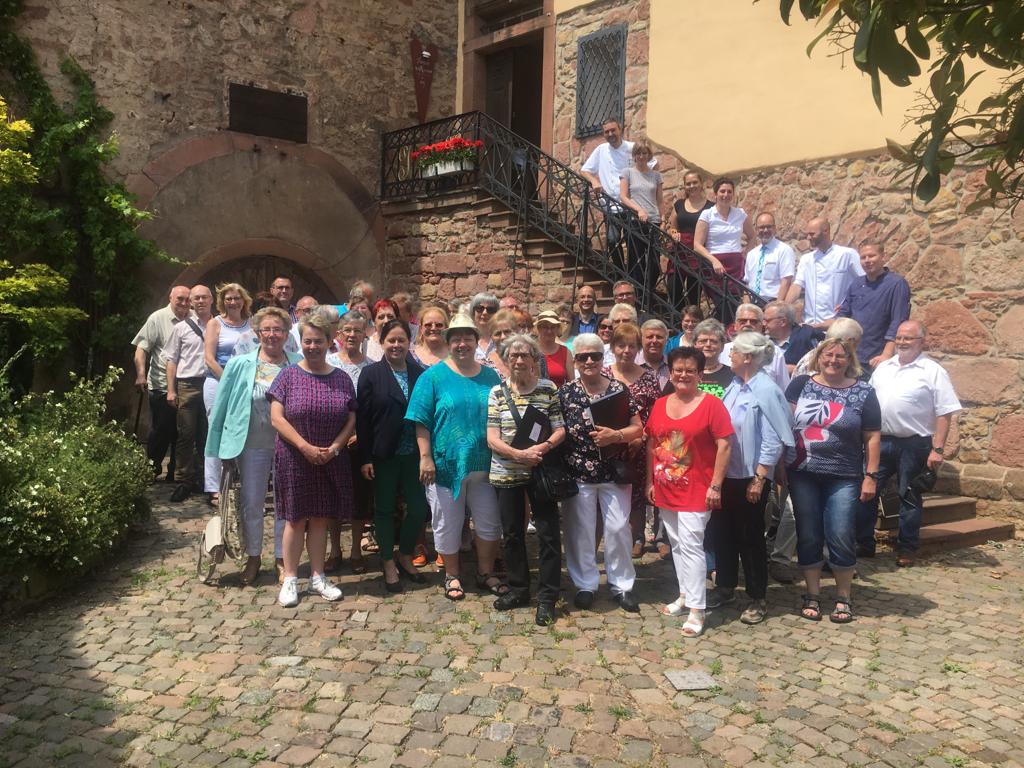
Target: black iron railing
x: 550, y: 197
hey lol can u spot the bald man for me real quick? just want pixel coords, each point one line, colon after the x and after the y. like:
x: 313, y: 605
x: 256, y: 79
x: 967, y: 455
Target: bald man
x: 824, y: 275
x: 151, y: 376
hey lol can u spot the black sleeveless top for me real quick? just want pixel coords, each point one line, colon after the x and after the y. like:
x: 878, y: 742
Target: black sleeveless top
x: 686, y: 222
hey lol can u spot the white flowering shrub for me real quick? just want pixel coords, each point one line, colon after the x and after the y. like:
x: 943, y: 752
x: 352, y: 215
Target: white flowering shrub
x: 71, y: 481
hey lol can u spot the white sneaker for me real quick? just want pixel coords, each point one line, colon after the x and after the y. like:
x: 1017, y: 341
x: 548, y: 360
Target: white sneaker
x: 324, y: 588
x: 289, y: 595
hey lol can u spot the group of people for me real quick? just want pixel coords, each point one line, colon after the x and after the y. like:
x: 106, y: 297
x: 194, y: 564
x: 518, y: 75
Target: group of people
x: 372, y: 413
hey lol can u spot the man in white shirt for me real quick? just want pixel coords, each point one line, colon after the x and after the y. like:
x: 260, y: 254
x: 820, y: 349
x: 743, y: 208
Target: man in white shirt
x: 824, y: 275
x: 771, y: 264
x: 918, y: 404
x: 185, y: 361
x: 749, y: 317
x: 303, y: 307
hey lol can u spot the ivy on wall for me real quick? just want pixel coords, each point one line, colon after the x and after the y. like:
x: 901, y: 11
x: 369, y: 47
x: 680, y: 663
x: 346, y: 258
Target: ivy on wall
x: 68, y: 214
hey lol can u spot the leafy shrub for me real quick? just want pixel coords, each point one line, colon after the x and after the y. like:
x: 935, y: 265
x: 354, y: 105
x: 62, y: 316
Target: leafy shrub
x: 71, y: 481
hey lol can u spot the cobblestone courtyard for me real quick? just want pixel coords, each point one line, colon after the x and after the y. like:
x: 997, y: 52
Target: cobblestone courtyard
x: 144, y: 666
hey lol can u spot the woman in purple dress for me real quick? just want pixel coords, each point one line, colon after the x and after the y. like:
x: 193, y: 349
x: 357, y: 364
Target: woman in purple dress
x: 312, y: 407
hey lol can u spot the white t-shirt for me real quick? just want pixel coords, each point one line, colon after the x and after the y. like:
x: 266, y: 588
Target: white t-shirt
x: 608, y: 164
x: 912, y: 396
x: 779, y: 262
x: 724, y: 234
x: 826, y: 279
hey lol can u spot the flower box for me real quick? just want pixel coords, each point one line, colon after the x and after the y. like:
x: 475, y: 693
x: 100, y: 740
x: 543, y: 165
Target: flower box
x: 454, y: 155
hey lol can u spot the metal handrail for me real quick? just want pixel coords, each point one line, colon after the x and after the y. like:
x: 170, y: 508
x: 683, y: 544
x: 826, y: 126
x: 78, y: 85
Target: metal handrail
x: 552, y: 198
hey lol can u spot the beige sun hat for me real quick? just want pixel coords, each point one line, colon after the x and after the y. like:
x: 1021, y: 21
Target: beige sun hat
x: 550, y: 317
x: 461, y: 323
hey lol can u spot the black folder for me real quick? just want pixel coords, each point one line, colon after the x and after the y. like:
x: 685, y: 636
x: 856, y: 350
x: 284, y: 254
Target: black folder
x: 534, y: 427
x: 612, y: 410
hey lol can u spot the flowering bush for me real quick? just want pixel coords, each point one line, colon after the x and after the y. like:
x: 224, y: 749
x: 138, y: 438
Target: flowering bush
x: 70, y: 482
x: 450, y: 150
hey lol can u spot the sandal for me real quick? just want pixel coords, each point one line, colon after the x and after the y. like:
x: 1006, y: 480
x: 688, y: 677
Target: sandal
x: 676, y: 608
x: 483, y: 581
x: 694, y: 624
x: 842, y: 613
x: 811, y: 608
x: 358, y: 564
x: 369, y: 543
x: 451, y: 591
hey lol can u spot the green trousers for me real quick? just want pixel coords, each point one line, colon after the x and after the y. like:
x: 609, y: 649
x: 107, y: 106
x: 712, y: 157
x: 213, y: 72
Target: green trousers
x: 388, y: 476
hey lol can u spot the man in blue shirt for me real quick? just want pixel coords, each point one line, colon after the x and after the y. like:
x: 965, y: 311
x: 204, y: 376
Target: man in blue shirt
x: 879, y: 301
x: 586, y: 320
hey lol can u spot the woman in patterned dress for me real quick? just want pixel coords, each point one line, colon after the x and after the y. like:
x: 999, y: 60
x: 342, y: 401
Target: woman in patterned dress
x: 312, y: 407
x: 643, y: 386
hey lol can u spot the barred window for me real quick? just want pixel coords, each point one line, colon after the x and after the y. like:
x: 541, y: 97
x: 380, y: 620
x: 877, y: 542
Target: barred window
x: 600, y: 79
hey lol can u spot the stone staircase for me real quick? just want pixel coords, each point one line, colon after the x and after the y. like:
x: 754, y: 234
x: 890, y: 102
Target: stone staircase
x: 947, y: 522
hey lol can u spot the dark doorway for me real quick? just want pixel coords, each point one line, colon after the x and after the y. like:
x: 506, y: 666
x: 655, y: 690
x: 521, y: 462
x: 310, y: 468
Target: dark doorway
x: 514, y: 85
x: 256, y: 273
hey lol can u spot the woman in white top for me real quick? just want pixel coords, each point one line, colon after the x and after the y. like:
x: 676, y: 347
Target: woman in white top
x: 720, y: 232
x: 640, y: 190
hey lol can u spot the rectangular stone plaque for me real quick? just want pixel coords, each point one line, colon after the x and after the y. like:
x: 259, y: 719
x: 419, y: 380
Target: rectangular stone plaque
x: 690, y: 680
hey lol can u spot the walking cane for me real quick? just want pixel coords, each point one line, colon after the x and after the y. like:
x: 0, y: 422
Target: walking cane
x: 138, y: 414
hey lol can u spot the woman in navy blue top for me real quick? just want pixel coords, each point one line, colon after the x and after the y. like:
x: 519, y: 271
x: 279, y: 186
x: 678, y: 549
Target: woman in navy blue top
x: 837, y: 427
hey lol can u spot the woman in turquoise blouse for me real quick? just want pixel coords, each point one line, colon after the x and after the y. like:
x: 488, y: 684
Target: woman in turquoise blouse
x: 449, y: 407
x: 240, y: 427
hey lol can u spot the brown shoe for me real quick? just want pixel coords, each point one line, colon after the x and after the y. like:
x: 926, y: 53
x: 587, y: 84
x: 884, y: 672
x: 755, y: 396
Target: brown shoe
x: 251, y: 570
x: 279, y: 565
x: 638, y: 549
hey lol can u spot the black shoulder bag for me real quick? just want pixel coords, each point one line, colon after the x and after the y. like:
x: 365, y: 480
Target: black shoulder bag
x: 550, y: 480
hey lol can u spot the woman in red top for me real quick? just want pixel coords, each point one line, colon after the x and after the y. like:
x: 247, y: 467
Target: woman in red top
x: 687, y: 453
x: 558, y: 363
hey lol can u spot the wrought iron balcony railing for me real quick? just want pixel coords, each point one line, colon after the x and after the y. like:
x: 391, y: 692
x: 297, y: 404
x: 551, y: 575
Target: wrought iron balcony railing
x: 550, y: 197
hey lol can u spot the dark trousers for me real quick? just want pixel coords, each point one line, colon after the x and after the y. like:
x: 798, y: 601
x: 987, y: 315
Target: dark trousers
x: 191, y: 426
x: 643, y: 259
x: 741, y: 539
x: 512, y: 508
x: 613, y: 239
x: 163, y: 432
x: 389, y: 475
x: 902, y: 458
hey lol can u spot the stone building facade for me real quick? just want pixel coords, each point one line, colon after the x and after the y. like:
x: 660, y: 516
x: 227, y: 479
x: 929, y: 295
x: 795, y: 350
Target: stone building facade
x: 222, y: 198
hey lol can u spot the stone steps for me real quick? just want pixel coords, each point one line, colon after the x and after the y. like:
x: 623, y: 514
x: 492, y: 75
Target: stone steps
x: 937, y: 509
x: 958, y: 534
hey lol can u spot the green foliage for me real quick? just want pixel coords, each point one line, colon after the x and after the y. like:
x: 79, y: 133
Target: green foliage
x: 70, y: 480
x: 31, y: 308
x: 57, y: 204
x: 894, y: 37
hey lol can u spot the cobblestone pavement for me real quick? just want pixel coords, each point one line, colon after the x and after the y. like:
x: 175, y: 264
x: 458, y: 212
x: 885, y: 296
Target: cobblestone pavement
x: 145, y: 666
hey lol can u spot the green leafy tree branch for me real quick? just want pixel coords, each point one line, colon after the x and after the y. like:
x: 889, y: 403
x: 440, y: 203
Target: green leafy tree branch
x: 902, y: 39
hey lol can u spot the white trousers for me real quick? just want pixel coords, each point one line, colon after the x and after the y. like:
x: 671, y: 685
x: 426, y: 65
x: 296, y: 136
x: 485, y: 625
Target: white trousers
x: 255, y: 466
x: 211, y: 466
x: 686, y: 537
x: 449, y: 512
x: 579, y: 520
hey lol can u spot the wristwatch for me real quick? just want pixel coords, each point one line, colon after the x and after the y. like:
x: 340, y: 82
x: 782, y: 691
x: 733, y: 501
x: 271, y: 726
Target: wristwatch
x: 872, y: 475
x: 938, y: 450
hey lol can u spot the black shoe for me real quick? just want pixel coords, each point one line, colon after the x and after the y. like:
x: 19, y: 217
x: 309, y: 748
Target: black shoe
x: 181, y: 493
x: 584, y: 599
x: 394, y: 587
x: 864, y: 550
x: 414, y: 576
x: 511, y: 600
x: 545, y: 614
x: 627, y: 602
x: 720, y: 596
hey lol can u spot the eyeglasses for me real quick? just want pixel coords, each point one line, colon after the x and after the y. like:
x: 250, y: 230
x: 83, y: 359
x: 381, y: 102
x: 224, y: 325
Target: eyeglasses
x: 272, y: 331
x: 518, y: 355
x: 605, y: 326
x: 908, y: 338
x: 627, y: 295
x: 486, y: 308
x: 589, y: 357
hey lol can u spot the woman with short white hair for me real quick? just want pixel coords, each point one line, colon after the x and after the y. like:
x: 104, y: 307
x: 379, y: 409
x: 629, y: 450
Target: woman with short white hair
x: 602, y: 490
x: 762, y: 428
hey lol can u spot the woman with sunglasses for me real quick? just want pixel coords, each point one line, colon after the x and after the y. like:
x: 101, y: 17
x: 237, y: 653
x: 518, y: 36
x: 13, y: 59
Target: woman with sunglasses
x: 431, y: 347
x: 482, y: 309
x: 600, y: 493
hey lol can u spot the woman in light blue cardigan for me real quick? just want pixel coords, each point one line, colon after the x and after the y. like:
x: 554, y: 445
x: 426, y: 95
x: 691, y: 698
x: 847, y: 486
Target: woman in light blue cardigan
x: 240, y: 428
x: 762, y: 422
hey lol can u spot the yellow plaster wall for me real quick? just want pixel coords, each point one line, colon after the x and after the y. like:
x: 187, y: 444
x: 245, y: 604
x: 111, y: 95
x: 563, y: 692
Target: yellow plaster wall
x: 731, y: 88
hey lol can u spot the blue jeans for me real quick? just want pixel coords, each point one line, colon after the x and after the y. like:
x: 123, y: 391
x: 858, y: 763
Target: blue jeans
x: 825, y: 508
x: 904, y: 458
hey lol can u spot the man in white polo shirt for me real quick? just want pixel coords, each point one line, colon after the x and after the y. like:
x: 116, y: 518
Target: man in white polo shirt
x: 918, y: 404
x: 824, y: 275
x: 771, y: 264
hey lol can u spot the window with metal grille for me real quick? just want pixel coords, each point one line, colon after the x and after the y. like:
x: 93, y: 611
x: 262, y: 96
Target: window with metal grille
x: 600, y: 79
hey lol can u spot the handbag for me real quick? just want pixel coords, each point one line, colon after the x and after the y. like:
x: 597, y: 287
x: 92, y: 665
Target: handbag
x: 551, y: 482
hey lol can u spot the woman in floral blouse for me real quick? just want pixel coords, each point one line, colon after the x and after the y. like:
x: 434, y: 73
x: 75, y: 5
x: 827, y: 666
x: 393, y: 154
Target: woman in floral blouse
x: 596, y: 477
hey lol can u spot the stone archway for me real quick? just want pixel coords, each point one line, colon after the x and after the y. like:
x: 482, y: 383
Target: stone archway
x: 227, y: 197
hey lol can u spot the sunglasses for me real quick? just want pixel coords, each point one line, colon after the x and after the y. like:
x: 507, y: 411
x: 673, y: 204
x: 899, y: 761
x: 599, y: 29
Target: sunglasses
x: 589, y: 357
x: 486, y: 308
